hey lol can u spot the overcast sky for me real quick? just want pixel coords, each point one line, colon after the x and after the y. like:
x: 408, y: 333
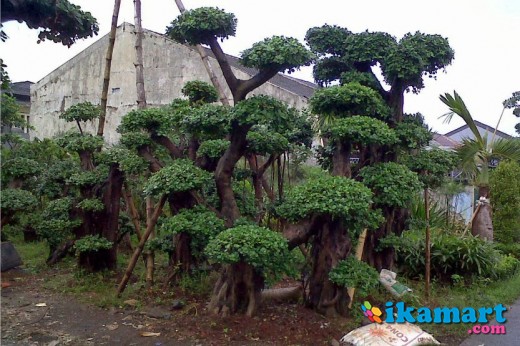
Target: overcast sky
x: 485, y: 35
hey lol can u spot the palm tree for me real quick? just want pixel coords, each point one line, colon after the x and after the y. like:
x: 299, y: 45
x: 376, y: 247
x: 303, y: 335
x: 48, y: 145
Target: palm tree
x: 475, y: 155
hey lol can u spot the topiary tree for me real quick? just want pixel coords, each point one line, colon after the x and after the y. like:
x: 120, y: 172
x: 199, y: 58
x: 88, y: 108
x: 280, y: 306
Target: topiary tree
x: 248, y: 254
x: 277, y: 54
x: 14, y: 201
x: 332, y: 212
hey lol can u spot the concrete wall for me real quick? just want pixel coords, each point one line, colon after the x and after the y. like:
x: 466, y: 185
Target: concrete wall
x: 168, y: 66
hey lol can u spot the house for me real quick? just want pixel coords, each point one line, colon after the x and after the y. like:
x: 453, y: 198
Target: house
x: 21, y: 92
x: 168, y: 65
x: 485, y: 130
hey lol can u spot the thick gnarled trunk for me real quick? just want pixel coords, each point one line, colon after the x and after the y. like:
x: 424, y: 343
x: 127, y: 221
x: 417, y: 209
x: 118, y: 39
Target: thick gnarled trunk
x: 331, y: 244
x: 238, y: 290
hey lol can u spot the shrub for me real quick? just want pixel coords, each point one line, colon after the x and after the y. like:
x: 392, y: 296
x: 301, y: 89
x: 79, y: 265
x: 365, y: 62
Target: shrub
x: 506, y: 266
x: 92, y: 243
x: 450, y: 254
x: 354, y: 273
x: 505, y: 199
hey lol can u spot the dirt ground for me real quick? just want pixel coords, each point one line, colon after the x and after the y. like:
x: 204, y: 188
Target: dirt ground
x: 33, y: 315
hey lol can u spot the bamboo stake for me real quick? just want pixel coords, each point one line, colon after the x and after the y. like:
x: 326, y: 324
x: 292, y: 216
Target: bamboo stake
x: 149, y: 255
x: 108, y: 66
x: 359, y: 255
x: 427, y: 244
x: 139, y: 66
x: 207, y: 65
x: 134, y: 215
x: 139, y: 249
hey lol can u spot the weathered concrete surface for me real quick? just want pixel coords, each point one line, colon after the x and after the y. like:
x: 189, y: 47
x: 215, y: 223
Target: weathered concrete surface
x: 168, y: 65
x: 512, y: 336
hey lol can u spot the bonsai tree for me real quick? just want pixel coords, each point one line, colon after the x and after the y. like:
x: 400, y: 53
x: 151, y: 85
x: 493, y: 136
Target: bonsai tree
x: 14, y: 201
x: 248, y: 255
x: 332, y: 212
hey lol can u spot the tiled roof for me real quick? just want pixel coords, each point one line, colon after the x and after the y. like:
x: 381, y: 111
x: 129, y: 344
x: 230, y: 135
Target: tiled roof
x: 479, y: 125
x: 444, y: 141
x: 21, y: 88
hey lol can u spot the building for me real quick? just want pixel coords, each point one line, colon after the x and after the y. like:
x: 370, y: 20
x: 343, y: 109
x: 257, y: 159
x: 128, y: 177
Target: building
x: 168, y: 65
x: 21, y: 92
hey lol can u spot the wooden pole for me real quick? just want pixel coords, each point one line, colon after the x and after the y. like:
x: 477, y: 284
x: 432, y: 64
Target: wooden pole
x: 139, y: 249
x: 149, y: 255
x: 108, y: 66
x: 139, y: 66
x: 427, y: 243
x: 359, y: 255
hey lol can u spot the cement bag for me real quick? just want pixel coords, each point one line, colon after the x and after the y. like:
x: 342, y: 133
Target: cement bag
x: 387, y: 278
x: 385, y: 334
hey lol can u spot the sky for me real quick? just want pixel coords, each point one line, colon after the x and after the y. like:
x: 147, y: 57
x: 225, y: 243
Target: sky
x: 485, y: 35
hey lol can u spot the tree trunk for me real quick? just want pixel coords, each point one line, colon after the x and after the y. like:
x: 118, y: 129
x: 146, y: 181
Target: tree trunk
x: 139, y: 67
x: 341, y: 160
x: 108, y: 65
x: 482, y: 225
x: 331, y: 244
x: 238, y: 290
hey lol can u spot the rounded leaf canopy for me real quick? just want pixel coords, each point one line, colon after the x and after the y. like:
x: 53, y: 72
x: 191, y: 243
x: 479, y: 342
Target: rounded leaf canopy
x: 416, y: 55
x: 348, y: 100
x: 154, y: 120
x: 89, y: 178
x: 91, y: 242
x: 81, y: 112
x: 393, y: 184
x: 127, y: 160
x: 208, y: 121
x: 278, y: 53
x: 363, y: 130
x: 261, y: 141
x: 134, y: 140
x: 364, y: 78
x: 262, y: 109
x: 75, y: 141
x: 368, y: 47
x: 200, y: 223
x: 20, y: 167
x: 412, y: 132
x: 201, y: 25
x: 200, y: 92
x: 351, y: 272
x: 265, y: 250
x: 13, y: 200
x: 327, y: 39
x: 432, y: 165
x: 180, y: 176
x: 338, y: 197
x: 214, y: 148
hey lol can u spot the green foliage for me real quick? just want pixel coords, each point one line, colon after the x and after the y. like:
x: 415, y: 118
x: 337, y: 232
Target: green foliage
x: 10, y: 112
x: 155, y: 120
x: 506, y: 267
x: 201, y: 25
x: 61, y: 21
x: 259, y: 247
x: 417, y: 219
x: 75, y: 141
x: 512, y: 249
x: 91, y: 204
x: 327, y: 39
x: 213, y: 148
x: 463, y: 255
x: 200, y: 92
x: 363, y: 78
x: 15, y: 200
x: 416, y: 55
x: 363, y: 130
x: 135, y: 140
x: 348, y: 100
x: 179, y: 176
x: 127, y: 160
x: 92, y: 243
x: 393, y: 184
x: 432, y: 165
x: 277, y: 53
x: 412, y: 132
x: 262, y: 110
x: 338, y: 197
x: 261, y: 141
x: 200, y: 224
x: 53, y: 179
x: 20, y: 167
x: 89, y: 178
x: 208, y: 121
x: 81, y: 112
x: 56, y: 231
x: 505, y: 199
x: 58, y: 209
x: 354, y: 273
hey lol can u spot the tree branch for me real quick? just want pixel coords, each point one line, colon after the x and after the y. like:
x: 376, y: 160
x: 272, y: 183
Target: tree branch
x: 225, y: 67
x: 174, y: 150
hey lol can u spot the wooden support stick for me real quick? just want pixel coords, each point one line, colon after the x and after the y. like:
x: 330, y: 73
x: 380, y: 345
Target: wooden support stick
x: 359, y: 255
x: 139, y: 249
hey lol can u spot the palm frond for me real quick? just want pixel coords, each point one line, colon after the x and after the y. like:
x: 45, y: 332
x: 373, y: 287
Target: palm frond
x: 457, y: 106
x: 508, y: 149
